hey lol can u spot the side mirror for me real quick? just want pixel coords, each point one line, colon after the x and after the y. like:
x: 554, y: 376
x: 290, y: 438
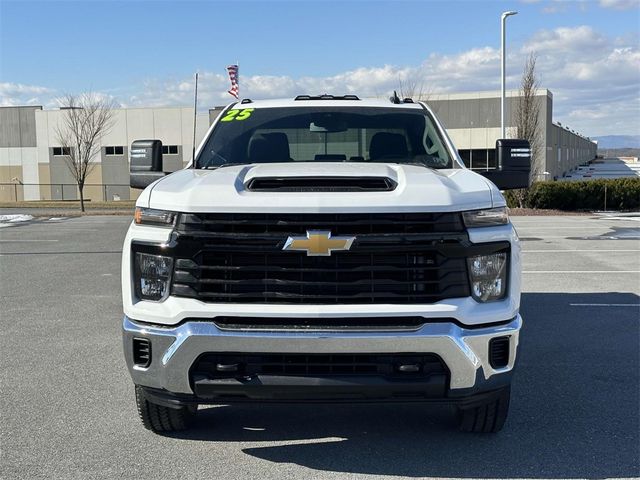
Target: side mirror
x: 514, y: 164
x: 145, y: 163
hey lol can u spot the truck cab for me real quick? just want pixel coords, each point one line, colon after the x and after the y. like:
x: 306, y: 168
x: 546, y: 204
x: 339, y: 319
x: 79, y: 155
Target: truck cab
x: 322, y: 249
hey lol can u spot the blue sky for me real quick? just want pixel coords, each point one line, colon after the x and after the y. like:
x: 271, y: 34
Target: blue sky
x: 144, y: 53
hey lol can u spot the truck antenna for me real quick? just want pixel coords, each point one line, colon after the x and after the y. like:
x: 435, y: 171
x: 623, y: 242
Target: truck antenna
x: 195, y: 115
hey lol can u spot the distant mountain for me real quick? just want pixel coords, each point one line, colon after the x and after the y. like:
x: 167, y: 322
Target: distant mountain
x: 618, y: 141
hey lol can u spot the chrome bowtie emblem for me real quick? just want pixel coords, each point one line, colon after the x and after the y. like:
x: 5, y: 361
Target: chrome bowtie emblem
x: 318, y: 243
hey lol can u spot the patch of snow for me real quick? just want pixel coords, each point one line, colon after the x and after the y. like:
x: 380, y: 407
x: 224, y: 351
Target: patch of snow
x: 15, y: 218
x: 56, y: 219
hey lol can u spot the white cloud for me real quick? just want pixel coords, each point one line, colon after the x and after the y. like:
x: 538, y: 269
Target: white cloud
x: 555, y: 8
x: 562, y: 6
x: 12, y: 94
x: 566, y: 39
x: 212, y: 88
x: 620, y: 4
x: 595, y: 80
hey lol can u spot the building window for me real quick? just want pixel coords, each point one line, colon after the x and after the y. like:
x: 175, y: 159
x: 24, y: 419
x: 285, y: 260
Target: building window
x: 114, y: 150
x: 169, y: 149
x: 479, y: 158
x: 61, y: 151
x: 466, y: 157
x: 492, y: 161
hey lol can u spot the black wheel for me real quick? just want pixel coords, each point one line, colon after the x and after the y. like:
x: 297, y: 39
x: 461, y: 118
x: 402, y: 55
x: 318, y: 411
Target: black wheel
x: 486, y: 418
x: 161, y: 419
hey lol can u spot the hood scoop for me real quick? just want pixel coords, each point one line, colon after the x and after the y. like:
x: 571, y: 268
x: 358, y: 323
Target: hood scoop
x: 321, y: 184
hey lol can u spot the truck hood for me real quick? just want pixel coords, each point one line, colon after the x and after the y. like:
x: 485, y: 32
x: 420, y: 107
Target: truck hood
x: 225, y: 190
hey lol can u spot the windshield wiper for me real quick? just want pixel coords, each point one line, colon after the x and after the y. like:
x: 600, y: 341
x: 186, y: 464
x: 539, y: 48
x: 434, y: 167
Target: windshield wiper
x: 417, y: 164
x: 226, y: 163
x: 425, y: 162
x: 230, y: 164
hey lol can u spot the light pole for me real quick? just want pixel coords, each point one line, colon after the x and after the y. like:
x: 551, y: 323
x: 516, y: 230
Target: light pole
x: 503, y: 20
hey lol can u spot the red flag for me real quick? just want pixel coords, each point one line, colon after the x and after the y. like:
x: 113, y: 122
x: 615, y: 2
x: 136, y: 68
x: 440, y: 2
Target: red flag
x: 233, y: 77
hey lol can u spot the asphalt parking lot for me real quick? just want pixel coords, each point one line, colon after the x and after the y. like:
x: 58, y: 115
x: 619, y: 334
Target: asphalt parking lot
x: 67, y: 408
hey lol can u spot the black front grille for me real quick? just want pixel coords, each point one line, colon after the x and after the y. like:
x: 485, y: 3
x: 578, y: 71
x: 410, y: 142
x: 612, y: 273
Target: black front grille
x: 226, y: 365
x: 395, y: 258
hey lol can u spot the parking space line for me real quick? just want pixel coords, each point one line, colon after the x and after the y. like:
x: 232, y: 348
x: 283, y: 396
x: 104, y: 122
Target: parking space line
x: 602, y: 236
x: 24, y: 241
x: 581, y: 271
x: 61, y: 253
x: 575, y: 251
x: 605, y: 304
x: 567, y: 227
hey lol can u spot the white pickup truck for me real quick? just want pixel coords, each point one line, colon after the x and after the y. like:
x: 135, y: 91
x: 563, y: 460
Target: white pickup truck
x: 322, y: 249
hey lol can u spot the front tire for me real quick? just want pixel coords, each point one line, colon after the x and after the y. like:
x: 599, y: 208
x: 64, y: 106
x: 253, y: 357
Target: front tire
x: 488, y: 417
x: 162, y: 419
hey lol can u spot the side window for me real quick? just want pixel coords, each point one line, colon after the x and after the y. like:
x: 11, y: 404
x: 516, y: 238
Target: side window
x: 433, y: 144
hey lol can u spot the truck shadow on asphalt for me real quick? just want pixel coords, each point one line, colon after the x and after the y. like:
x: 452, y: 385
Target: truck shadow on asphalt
x: 574, y: 412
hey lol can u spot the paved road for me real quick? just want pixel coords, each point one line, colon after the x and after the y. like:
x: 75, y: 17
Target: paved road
x: 66, y: 400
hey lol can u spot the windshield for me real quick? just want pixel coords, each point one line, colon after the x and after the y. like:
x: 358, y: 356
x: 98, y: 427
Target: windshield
x: 324, y: 134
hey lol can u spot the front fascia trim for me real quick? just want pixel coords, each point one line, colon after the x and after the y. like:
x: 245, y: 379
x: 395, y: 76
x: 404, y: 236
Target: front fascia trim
x: 464, y: 351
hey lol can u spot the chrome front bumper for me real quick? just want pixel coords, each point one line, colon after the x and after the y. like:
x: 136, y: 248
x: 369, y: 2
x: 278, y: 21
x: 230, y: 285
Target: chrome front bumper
x: 463, y: 350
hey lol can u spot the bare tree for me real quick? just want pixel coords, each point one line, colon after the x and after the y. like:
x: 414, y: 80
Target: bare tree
x: 87, y: 118
x: 527, y: 122
x: 413, y: 86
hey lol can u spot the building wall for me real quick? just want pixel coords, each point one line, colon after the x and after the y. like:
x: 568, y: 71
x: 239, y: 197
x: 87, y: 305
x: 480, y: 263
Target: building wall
x: 472, y: 121
x: 17, y: 126
x: 214, y: 113
x: 109, y: 178
x: 567, y: 150
x: 10, y: 190
x: 115, y: 174
x: 18, y: 153
x: 479, y: 110
x: 62, y: 183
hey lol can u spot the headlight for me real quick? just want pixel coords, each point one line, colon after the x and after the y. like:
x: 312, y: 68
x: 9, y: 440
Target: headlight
x: 152, y: 276
x: 150, y: 216
x: 488, y: 275
x: 486, y: 218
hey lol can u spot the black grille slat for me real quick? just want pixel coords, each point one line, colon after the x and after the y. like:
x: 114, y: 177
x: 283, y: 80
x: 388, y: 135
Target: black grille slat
x: 499, y: 352
x: 141, y: 352
x: 347, y: 323
x: 396, y: 223
x: 249, y: 247
x: 280, y: 281
x: 395, y: 258
x: 302, y: 296
x: 271, y: 268
x: 317, y: 364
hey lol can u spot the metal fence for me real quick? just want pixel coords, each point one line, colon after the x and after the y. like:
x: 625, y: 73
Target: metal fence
x: 97, y: 192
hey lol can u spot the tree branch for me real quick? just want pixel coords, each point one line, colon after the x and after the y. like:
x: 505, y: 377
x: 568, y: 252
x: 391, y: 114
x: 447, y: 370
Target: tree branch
x: 87, y: 118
